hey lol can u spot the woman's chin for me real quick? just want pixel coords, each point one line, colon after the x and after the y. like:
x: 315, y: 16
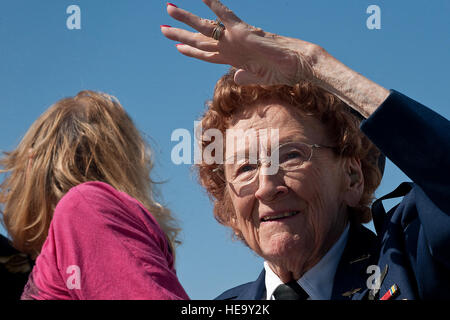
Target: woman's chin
x: 281, y: 247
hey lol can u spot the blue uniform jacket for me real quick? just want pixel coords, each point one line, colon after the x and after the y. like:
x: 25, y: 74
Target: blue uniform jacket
x: 412, y: 245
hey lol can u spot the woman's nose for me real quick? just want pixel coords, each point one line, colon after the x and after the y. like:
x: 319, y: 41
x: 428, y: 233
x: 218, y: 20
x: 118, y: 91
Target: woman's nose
x: 270, y: 187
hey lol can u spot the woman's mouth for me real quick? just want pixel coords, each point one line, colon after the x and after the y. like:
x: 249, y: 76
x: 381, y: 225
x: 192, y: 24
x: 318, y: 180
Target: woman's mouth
x: 280, y: 216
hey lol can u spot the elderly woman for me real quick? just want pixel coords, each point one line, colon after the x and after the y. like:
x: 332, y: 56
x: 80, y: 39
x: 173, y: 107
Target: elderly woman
x: 306, y: 218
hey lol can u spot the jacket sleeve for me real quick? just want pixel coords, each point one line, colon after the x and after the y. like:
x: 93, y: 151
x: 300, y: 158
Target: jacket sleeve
x: 417, y: 140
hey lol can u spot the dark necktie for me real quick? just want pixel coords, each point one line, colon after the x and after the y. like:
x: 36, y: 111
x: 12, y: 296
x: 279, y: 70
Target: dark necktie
x: 290, y: 291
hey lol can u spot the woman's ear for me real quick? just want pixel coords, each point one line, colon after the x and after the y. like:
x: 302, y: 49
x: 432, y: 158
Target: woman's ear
x: 353, y: 182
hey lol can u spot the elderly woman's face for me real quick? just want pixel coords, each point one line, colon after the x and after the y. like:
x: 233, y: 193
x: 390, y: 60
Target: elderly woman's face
x: 313, y: 198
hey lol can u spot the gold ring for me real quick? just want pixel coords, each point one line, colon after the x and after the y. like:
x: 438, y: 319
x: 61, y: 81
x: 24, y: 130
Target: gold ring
x: 218, y: 29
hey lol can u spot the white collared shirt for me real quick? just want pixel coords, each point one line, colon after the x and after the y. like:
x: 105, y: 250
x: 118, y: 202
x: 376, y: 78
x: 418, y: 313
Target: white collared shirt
x: 317, y: 281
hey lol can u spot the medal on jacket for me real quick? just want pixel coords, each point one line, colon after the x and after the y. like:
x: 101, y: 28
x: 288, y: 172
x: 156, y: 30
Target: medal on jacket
x: 390, y: 293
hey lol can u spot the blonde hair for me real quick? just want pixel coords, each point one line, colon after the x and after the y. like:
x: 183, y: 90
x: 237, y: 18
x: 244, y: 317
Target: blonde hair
x: 88, y: 137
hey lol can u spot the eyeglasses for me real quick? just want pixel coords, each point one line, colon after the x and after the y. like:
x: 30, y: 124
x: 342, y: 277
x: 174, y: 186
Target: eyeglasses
x: 288, y: 157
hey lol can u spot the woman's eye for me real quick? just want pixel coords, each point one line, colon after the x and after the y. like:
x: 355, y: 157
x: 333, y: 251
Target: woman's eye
x: 245, y: 168
x: 293, y: 155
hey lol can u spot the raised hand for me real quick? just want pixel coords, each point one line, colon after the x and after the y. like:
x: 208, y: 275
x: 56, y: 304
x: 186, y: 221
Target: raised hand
x: 261, y: 57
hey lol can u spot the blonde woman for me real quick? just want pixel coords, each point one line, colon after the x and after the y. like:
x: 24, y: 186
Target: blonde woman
x: 78, y: 197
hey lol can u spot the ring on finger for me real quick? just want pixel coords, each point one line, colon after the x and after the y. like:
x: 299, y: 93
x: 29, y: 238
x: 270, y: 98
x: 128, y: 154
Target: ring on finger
x: 218, y: 30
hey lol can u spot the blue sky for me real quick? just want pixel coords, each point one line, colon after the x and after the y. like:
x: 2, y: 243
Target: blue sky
x: 120, y: 50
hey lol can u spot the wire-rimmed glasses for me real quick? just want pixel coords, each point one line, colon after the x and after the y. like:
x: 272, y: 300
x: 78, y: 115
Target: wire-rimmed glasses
x: 241, y: 171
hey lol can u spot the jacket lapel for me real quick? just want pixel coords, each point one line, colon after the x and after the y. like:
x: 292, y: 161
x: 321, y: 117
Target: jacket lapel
x: 254, y: 290
x: 351, y: 274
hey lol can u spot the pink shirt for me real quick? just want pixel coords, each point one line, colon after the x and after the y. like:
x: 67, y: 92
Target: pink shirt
x: 103, y: 244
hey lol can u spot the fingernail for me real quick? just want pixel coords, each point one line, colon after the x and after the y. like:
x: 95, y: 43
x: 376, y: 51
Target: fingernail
x: 179, y: 44
x: 165, y: 26
x: 171, y: 4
